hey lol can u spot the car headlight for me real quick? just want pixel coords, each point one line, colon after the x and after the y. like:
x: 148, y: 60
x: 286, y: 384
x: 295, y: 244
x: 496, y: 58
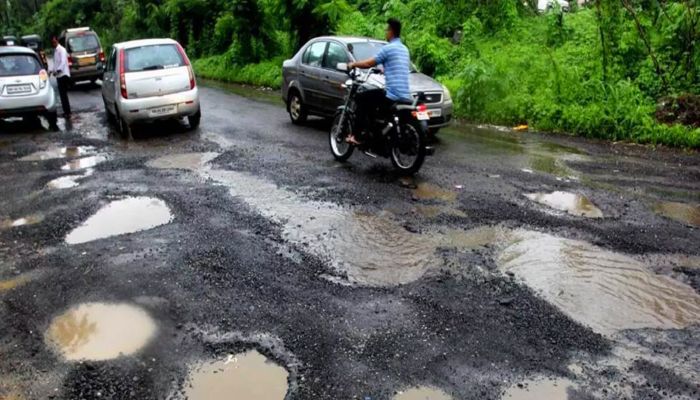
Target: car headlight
x: 447, y: 95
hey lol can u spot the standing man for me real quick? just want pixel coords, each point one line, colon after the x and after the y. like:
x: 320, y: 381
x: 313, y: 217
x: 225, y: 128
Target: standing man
x: 62, y: 72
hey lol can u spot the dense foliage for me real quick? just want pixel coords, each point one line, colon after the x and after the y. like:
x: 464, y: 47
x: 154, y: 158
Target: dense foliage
x: 598, y: 71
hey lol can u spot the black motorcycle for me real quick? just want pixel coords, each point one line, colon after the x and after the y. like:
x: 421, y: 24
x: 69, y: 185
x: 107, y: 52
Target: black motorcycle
x: 399, y: 135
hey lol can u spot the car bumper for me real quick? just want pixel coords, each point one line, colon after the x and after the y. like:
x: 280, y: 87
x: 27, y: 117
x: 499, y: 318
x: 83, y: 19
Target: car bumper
x: 140, y: 110
x: 42, y: 102
x: 87, y: 73
x: 445, y: 118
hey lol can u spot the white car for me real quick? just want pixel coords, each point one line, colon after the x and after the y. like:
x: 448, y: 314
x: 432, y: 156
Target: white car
x: 149, y: 80
x: 544, y: 5
x: 25, y: 89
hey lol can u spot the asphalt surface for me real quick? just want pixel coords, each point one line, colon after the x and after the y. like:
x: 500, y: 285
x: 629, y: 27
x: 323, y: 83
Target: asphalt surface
x: 360, y: 283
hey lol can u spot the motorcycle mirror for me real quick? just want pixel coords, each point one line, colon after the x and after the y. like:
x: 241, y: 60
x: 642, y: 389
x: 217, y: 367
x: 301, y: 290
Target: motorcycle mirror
x: 342, y: 67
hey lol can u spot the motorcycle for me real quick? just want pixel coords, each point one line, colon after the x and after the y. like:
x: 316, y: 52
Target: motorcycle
x: 401, y: 135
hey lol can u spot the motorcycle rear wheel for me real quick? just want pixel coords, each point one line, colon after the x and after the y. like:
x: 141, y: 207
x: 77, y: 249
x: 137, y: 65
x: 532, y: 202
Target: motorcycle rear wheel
x: 339, y: 147
x: 408, y: 152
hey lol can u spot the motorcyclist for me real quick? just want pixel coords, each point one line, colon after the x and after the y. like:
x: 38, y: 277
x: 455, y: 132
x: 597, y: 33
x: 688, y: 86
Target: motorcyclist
x: 396, y: 60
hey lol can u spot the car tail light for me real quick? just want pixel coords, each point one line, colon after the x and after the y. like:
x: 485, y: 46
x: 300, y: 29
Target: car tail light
x: 193, y: 83
x: 102, y: 56
x: 122, y: 73
x: 43, y: 78
x: 70, y: 61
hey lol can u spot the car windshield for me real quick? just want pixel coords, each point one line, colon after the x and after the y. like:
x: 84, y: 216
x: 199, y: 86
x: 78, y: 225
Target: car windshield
x: 83, y: 43
x: 147, y: 58
x: 365, y: 50
x: 18, y: 65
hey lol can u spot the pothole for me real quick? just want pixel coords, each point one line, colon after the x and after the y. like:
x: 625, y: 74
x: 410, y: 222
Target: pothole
x: 687, y: 214
x: 557, y: 389
x: 99, y: 331
x: 28, y: 220
x: 15, y: 282
x: 249, y: 376
x: 186, y: 161
x: 574, y: 204
x: 604, y: 290
x: 68, y: 182
x: 59, y: 152
x: 133, y: 214
x: 422, y: 393
x: 429, y: 191
x: 83, y: 163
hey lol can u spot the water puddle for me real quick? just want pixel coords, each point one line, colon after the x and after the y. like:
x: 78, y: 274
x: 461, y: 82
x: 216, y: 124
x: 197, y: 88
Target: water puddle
x: 59, y: 152
x: 422, y: 393
x: 98, y: 331
x: 24, y: 221
x: 83, y: 163
x: 604, y: 290
x: 680, y: 212
x: 13, y: 283
x: 186, y: 161
x: 120, y: 217
x: 249, y: 376
x: 574, y: 204
x: 428, y: 191
x: 436, y: 211
x: 68, y: 182
x: 540, y: 390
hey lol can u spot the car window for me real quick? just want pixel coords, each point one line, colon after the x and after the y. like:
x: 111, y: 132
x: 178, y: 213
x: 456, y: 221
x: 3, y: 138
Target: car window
x: 365, y: 50
x: 19, y: 65
x: 83, y: 43
x: 314, y: 54
x: 160, y: 56
x: 336, y: 54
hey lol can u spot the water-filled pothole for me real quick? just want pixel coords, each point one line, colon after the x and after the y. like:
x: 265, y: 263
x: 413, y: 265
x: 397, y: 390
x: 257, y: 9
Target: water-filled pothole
x: 69, y: 181
x: 688, y: 214
x: 556, y: 389
x: 422, y: 393
x: 99, y: 331
x: 83, y: 163
x: 120, y: 217
x: 59, y: 152
x: 429, y: 191
x: 574, y: 204
x: 24, y: 221
x: 249, y: 376
x: 15, y: 282
x: 186, y: 161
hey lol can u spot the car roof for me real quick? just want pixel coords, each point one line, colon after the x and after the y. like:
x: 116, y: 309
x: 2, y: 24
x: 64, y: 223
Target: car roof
x: 31, y: 37
x: 350, y: 39
x: 143, y: 42
x: 15, y: 50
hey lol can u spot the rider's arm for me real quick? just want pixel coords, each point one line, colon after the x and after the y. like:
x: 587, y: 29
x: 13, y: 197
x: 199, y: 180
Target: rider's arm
x: 368, y: 63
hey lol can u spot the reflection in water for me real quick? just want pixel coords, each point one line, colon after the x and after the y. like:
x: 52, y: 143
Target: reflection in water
x: 186, y: 161
x: 28, y: 220
x: 70, y: 181
x: 249, y: 376
x: 684, y: 213
x: 97, y: 331
x: 574, y: 204
x: 540, y: 390
x: 83, y: 163
x: 422, y: 393
x: 604, y: 290
x: 59, y: 152
x: 120, y: 217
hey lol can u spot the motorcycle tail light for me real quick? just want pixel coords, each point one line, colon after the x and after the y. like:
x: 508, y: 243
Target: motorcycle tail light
x: 422, y: 108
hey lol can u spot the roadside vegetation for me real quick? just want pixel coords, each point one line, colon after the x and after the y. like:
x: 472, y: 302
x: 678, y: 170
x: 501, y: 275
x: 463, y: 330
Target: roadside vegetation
x: 614, y: 69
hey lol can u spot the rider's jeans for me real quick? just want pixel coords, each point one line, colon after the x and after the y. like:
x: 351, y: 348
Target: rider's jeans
x: 370, y: 105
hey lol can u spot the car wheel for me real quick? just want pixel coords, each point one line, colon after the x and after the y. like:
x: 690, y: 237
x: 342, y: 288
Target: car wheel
x: 194, y: 120
x: 110, y: 116
x: 52, y: 118
x: 124, y: 128
x: 296, y: 108
x: 32, y: 120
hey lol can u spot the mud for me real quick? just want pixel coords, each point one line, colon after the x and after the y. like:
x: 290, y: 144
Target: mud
x: 684, y: 213
x: 574, y: 204
x: 97, y: 331
x: 121, y: 217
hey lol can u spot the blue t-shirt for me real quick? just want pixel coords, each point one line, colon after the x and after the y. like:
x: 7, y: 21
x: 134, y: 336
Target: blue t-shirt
x: 397, y: 69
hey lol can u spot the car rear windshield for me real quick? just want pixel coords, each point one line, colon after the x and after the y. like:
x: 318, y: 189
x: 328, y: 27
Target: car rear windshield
x: 19, y: 65
x: 83, y: 43
x: 147, y: 58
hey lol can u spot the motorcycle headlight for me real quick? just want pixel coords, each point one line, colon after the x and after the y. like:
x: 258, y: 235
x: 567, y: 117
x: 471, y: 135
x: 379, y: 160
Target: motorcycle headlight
x: 447, y: 95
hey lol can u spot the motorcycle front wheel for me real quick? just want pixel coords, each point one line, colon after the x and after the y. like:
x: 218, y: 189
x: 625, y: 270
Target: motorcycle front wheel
x: 408, y: 151
x: 341, y: 149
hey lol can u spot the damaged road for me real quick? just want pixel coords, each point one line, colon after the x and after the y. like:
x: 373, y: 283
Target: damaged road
x: 240, y: 261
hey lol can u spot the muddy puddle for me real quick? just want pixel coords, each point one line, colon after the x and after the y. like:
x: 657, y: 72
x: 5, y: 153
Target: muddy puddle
x: 99, y: 331
x: 133, y: 214
x: 59, y: 152
x: 604, y: 290
x: 688, y: 214
x: 572, y: 203
x: 83, y: 163
x: 186, y: 161
x: 249, y: 376
x: 23, y: 221
x: 15, y: 282
x: 422, y: 393
x: 429, y: 191
x: 69, y: 181
x: 557, y: 389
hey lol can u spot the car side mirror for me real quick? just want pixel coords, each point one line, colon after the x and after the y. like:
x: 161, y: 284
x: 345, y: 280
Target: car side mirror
x: 342, y: 67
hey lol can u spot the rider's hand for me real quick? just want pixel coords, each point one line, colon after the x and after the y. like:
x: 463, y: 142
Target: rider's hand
x: 351, y: 65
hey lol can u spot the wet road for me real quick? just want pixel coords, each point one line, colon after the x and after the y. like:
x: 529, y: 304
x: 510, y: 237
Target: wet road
x: 240, y: 261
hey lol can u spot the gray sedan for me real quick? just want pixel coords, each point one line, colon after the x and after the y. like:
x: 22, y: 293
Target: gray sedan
x: 311, y: 85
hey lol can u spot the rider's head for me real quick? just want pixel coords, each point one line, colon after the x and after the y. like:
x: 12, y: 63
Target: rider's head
x: 393, y: 29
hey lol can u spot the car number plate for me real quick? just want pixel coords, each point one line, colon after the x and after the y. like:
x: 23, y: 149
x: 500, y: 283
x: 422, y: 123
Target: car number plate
x: 86, y: 60
x: 423, y: 115
x: 166, y: 110
x: 435, y: 113
x: 19, y: 89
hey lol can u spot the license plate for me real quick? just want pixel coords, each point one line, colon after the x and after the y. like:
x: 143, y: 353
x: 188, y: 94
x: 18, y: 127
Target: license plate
x: 166, y: 110
x: 86, y: 60
x: 423, y: 115
x: 19, y: 89
x: 435, y: 113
